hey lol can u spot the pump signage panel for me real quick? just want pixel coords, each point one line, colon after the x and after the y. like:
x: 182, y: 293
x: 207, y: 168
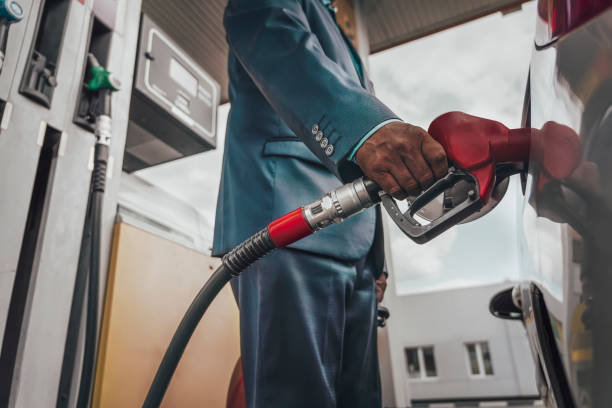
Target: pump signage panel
x: 187, y: 91
x: 173, y: 112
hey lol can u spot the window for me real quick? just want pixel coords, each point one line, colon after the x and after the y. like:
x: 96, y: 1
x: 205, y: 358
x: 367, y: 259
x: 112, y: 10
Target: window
x: 479, y: 359
x: 430, y: 363
x: 421, y: 362
x: 412, y: 359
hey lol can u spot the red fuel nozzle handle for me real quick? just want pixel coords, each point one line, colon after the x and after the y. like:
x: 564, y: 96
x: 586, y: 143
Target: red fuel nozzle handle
x: 478, y: 145
x: 475, y: 147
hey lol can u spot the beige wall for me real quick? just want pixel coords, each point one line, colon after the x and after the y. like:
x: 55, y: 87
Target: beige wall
x: 151, y: 282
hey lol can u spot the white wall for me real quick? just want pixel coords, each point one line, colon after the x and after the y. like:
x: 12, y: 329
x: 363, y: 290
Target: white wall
x: 447, y: 320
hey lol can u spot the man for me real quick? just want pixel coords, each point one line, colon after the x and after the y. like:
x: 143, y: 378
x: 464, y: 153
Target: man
x: 303, y: 121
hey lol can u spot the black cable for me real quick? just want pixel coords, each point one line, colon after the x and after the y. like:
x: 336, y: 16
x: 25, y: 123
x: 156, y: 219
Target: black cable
x: 234, y: 262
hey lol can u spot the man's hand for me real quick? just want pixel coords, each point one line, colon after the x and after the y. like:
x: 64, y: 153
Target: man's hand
x: 381, y: 286
x: 402, y: 159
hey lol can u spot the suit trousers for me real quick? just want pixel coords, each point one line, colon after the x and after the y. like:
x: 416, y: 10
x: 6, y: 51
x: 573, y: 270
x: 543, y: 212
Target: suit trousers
x: 308, y: 332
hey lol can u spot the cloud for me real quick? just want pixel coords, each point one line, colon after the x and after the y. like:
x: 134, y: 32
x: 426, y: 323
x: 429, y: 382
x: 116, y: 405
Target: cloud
x: 412, y: 261
x: 479, y: 67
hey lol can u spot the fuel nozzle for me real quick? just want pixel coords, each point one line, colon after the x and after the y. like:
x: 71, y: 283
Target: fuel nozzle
x: 101, y: 86
x: 482, y: 154
x: 101, y: 79
x: 10, y: 12
x: 482, y: 147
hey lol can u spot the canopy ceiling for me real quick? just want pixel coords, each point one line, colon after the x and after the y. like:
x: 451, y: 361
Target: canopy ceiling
x: 197, y: 24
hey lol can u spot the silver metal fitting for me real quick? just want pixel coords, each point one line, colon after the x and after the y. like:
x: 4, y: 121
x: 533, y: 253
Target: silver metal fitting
x: 115, y: 82
x: 104, y: 130
x: 516, y: 296
x: 338, y: 205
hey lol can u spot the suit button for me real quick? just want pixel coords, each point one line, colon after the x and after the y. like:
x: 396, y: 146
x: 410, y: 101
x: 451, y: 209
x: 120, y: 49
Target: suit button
x: 315, y: 129
x: 330, y: 150
x: 319, y: 136
x: 324, y: 143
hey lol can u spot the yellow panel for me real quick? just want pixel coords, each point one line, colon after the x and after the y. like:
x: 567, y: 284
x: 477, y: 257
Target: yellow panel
x: 151, y: 282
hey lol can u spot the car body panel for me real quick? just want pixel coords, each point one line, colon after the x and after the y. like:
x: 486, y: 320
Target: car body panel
x: 565, y: 225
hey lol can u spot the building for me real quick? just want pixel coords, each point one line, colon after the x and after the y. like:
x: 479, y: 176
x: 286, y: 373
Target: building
x: 445, y: 347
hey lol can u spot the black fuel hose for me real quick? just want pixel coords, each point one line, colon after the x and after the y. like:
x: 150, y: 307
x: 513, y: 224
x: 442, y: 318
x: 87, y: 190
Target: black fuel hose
x: 347, y: 200
x: 101, y: 86
x: 234, y: 262
x: 93, y: 293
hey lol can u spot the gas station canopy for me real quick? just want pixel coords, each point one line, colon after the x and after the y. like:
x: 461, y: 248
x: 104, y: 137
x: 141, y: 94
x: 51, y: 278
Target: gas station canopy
x: 198, y: 25
x: 395, y: 22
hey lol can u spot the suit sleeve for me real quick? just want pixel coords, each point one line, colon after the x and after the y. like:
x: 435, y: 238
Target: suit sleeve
x: 272, y: 40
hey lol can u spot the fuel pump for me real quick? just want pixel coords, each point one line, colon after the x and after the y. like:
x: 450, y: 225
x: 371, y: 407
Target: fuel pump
x: 10, y: 12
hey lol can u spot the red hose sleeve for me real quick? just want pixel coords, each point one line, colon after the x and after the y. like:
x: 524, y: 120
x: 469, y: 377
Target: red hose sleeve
x: 289, y: 228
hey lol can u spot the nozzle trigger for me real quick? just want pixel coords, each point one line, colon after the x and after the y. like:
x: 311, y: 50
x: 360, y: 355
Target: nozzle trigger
x: 422, y: 233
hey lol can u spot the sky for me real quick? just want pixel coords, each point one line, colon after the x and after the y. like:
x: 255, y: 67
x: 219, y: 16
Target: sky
x: 479, y: 68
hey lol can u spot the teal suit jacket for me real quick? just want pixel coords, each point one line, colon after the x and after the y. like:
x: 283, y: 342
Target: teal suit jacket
x: 298, y: 108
